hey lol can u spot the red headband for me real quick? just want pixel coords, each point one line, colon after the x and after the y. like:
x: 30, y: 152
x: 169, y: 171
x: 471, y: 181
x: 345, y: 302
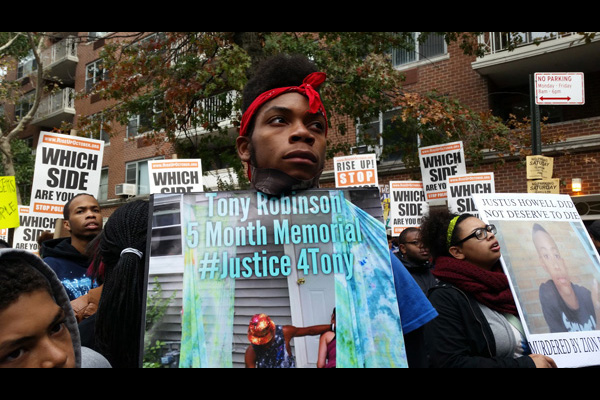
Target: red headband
x: 307, y: 88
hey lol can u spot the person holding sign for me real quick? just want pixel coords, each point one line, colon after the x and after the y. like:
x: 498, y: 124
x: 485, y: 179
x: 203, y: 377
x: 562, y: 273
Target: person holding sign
x: 283, y: 141
x: 478, y: 324
x: 567, y: 307
x: 67, y: 256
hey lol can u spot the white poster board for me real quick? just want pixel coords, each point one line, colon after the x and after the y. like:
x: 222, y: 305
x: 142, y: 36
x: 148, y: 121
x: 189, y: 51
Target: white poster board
x: 32, y: 225
x: 553, y: 269
x: 407, y: 205
x: 175, y: 176
x: 65, y: 165
x: 462, y: 187
x: 359, y: 170
x: 438, y: 163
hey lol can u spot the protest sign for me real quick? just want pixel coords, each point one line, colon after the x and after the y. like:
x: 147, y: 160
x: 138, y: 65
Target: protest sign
x: 175, y: 176
x: 553, y: 269
x: 548, y: 186
x: 65, y: 165
x: 407, y: 205
x: 4, y: 234
x: 439, y: 162
x: 355, y: 170
x: 539, y: 167
x: 462, y: 187
x: 384, y: 193
x: 31, y: 226
x: 9, y: 215
x: 294, y: 257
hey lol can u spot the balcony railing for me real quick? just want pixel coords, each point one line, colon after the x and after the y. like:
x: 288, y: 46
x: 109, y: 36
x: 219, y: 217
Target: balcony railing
x: 56, y: 104
x: 214, y: 106
x: 65, y: 49
x: 495, y: 42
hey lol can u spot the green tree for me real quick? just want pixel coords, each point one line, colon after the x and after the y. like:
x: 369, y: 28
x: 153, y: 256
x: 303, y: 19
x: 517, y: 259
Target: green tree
x: 174, y: 77
x: 14, y: 45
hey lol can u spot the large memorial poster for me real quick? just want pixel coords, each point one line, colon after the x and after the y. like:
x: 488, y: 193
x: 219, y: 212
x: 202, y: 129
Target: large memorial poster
x: 65, y: 165
x: 554, y: 271
x: 294, y: 257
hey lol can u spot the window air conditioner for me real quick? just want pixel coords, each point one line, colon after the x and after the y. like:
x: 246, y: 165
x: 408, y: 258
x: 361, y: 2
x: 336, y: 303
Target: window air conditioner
x: 125, y: 189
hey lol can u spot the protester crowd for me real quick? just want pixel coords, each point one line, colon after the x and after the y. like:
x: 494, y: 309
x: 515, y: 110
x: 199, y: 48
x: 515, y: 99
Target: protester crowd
x: 79, y: 304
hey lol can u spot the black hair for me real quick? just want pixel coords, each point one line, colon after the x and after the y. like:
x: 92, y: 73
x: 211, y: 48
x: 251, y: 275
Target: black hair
x: 434, y: 230
x: 66, y: 211
x: 594, y: 230
x: 278, y: 71
x: 538, y: 228
x: 16, y: 278
x: 404, y: 233
x: 119, y: 315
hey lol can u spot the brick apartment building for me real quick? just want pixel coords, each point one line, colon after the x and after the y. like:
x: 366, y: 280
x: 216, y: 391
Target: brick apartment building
x: 498, y: 81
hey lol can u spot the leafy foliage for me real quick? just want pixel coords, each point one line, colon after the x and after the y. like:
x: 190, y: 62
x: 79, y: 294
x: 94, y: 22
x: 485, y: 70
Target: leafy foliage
x: 172, y: 78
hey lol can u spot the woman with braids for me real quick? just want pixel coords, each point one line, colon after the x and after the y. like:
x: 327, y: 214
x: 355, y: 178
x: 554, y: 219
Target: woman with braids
x: 120, y: 248
x: 478, y: 324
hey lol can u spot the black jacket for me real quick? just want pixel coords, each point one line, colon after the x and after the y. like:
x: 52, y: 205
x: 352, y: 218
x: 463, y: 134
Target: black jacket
x: 460, y: 336
x: 420, y: 273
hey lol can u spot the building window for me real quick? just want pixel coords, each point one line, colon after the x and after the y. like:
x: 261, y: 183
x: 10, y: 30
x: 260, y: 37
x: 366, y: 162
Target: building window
x: 136, y: 172
x: 94, y: 73
x: 389, y: 133
x: 103, y: 189
x: 96, y: 35
x: 23, y: 106
x: 138, y: 124
x: 433, y: 46
x: 26, y: 65
x: 96, y: 128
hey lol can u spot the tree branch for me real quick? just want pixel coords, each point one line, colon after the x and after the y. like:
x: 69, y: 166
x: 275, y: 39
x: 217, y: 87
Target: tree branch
x: 36, y: 49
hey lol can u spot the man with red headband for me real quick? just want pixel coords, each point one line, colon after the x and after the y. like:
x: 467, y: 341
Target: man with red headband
x: 283, y: 141
x: 283, y: 132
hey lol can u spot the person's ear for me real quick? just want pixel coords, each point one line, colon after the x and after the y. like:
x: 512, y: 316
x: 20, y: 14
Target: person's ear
x: 402, y: 248
x: 66, y: 225
x: 456, y: 252
x: 242, y: 144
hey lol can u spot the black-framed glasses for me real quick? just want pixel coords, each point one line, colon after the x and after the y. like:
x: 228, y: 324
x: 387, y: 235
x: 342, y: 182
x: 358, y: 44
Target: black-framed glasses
x: 479, y: 233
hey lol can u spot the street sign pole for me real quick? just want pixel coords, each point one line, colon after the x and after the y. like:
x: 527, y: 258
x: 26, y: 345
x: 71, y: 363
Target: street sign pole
x: 536, y: 135
x: 552, y: 88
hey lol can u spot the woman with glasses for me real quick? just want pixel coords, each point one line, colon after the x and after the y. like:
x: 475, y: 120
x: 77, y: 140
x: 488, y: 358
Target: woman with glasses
x: 478, y: 324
